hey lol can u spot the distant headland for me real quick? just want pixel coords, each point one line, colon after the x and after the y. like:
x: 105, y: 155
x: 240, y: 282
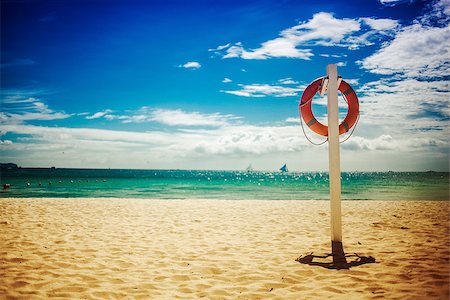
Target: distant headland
x: 8, y: 166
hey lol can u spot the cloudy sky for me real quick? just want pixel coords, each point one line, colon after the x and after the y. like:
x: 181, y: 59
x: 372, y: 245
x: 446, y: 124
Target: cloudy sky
x: 216, y: 84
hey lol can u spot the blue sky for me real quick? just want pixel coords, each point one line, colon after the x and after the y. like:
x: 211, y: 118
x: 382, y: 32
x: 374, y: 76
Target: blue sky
x: 216, y: 85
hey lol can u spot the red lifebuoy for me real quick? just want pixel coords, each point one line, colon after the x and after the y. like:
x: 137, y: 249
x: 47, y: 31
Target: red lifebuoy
x: 305, y: 107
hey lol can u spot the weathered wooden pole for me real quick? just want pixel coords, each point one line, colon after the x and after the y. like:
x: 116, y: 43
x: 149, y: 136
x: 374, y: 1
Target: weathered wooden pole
x: 334, y: 159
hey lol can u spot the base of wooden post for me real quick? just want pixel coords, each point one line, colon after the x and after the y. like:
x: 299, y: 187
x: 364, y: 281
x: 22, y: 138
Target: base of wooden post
x: 337, y: 250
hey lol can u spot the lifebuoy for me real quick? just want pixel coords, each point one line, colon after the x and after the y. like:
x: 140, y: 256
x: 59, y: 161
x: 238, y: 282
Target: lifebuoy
x: 305, y: 107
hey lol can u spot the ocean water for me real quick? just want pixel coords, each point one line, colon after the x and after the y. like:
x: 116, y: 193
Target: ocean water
x: 241, y: 185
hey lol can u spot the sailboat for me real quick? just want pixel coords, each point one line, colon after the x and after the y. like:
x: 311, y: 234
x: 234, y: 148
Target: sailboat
x: 284, y: 168
x: 249, y: 168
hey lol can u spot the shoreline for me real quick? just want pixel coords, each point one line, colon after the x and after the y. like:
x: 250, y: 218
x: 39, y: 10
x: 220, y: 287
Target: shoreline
x: 221, y: 249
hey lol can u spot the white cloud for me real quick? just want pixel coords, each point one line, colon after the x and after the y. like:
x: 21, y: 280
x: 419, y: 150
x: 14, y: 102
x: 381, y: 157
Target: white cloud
x: 14, y: 96
x: 170, y: 117
x: 226, y: 80
x: 381, y: 24
x: 333, y: 55
x: 191, y: 65
x: 386, y: 142
x: 392, y: 2
x: 292, y: 120
x: 383, y: 142
x: 18, y: 118
x: 17, y: 109
x: 281, y: 47
x: 179, y: 117
x: 437, y: 14
x: 264, y: 90
x: 341, y: 64
x: 287, y: 81
x: 322, y: 30
x: 99, y: 114
x: 137, y: 118
x: 353, y: 82
x: 226, y: 141
x: 406, y: 108
x: 416, y: 51
x: 250, y: 140
x: 18, y: 100
x: 65, y: 133
x: 220, y: 48
x: 443, y: 6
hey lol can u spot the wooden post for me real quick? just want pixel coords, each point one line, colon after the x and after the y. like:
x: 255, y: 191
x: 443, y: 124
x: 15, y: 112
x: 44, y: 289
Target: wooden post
x: 334, y: 159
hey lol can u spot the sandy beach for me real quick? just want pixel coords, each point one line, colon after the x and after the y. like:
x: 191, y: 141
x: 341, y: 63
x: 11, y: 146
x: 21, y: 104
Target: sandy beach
x: 90, y: 248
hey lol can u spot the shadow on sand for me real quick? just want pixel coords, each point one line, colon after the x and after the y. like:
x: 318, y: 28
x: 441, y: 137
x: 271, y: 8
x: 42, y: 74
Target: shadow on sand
x: 336, y: 260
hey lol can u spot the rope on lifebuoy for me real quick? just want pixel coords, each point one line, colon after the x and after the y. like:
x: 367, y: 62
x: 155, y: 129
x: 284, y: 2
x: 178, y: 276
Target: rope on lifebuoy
x: 309, y: 140
x: 354, y: 126
x: 303, y: 128
x: 351, y: 133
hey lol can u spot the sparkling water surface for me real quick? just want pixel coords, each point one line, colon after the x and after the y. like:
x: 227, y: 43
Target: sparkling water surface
x: 241, y: 185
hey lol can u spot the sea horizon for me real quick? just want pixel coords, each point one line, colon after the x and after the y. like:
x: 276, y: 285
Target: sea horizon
x: 220, y: 184
x: 219, y: 169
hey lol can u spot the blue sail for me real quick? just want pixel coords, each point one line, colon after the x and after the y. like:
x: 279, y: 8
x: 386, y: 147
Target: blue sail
x: 284, y: 168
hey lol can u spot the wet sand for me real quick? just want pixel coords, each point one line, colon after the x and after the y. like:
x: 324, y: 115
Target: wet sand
x: 216, y: 249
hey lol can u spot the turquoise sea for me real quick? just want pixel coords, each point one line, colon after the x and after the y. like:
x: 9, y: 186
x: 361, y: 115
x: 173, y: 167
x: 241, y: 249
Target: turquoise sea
x: 192, y: 184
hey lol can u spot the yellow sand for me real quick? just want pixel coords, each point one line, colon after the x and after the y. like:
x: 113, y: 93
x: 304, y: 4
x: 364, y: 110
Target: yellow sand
x: 153, y: 249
